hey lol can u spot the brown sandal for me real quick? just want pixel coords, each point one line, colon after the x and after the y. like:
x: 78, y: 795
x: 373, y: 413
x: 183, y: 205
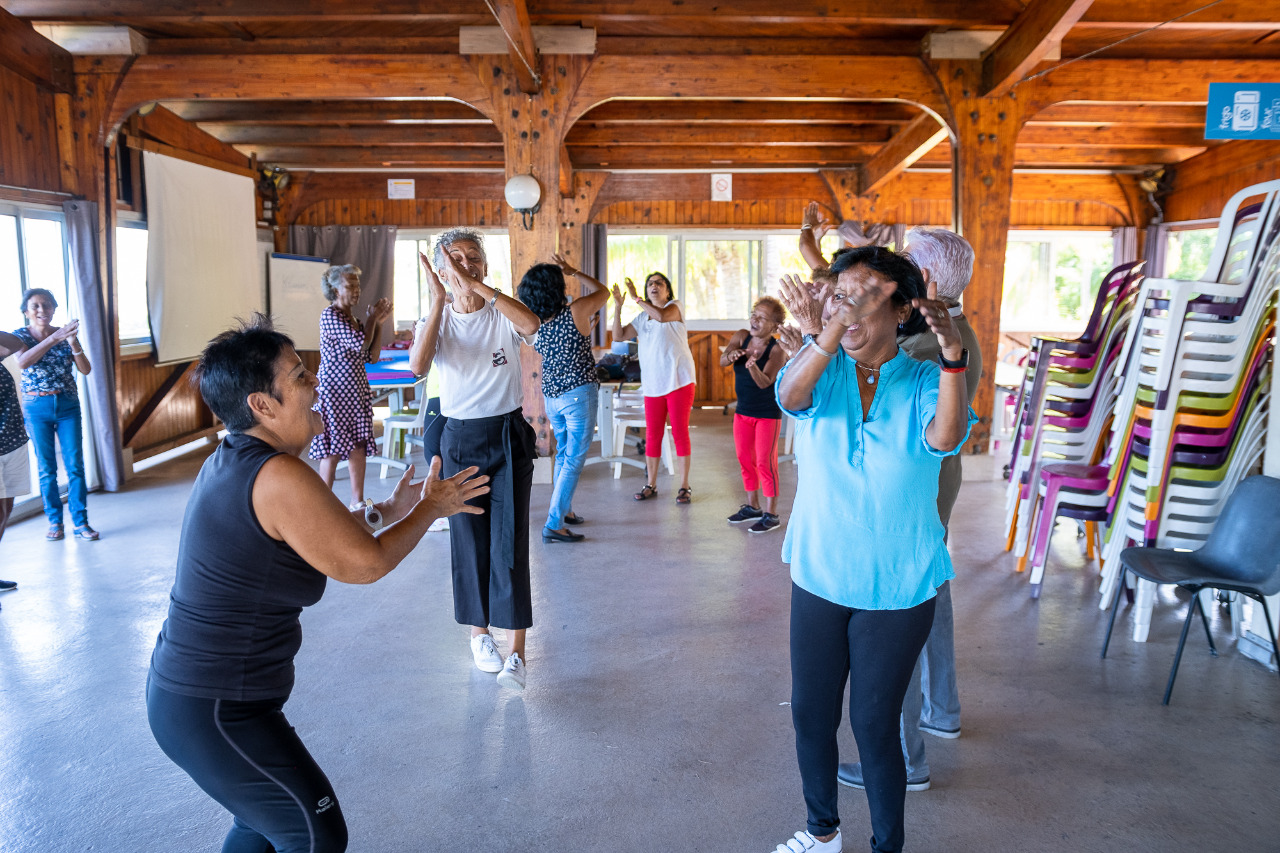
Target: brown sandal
x: 684, y: 496
x: 645, y: 493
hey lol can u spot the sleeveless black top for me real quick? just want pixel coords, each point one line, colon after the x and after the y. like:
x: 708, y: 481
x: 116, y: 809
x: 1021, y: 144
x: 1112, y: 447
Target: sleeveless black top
x: 233, y: 626
x: 754, y: 401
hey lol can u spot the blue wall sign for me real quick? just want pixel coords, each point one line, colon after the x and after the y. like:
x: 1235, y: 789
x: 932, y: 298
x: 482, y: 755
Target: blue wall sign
x: 1243, y: 111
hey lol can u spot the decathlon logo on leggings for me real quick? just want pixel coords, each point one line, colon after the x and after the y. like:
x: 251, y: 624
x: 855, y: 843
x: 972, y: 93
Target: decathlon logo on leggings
x: 324, y: 805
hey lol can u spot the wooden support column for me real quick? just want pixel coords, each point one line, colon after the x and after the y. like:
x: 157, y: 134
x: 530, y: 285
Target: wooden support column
x: 533, y: 127
x: 575, y: 212
x: 986, y: 130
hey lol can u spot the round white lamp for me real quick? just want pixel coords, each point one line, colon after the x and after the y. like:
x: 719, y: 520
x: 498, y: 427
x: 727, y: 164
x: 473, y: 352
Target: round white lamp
x: 524, y: 195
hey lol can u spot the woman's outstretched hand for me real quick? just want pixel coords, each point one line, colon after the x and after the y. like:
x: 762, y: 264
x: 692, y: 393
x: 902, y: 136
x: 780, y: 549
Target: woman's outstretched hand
x: 935, y: 313
x: 567, y: 268
x: 434, y: 285
x: 631, y: 288
x: 790, y: 338
x: 803, y: 302
x: 451, y: 494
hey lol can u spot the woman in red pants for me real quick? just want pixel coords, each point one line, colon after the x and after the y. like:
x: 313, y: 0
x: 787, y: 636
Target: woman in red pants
x: 666, y: 374
x: 756, y: 358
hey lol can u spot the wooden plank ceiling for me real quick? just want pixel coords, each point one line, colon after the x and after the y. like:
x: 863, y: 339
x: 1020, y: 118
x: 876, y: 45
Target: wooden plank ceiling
x: 662, y: 135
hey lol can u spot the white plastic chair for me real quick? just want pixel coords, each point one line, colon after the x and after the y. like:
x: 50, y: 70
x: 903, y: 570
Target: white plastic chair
x: 406, y: 422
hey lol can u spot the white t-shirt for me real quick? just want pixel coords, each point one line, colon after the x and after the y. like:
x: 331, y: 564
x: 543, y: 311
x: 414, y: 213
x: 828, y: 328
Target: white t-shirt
x: 478, y: 356
x: 666, y: 362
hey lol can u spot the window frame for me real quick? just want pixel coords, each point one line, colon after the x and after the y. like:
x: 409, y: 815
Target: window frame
x: 136, y: 346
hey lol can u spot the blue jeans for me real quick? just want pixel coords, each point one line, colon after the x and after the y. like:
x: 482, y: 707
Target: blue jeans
x: 573, y: 420
x: 932, y: 696
x: 58, y: 415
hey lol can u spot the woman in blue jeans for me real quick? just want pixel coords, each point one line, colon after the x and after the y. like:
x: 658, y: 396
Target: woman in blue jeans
x: 568, y: 378
x: 51, y: 404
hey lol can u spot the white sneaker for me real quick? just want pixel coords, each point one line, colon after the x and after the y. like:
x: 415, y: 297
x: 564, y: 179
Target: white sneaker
x: 438, y: 525
x: 803, y: 842
x: 512, y: 674
x: 485, y: 654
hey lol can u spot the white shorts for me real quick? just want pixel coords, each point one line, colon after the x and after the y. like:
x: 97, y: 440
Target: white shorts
x: 15, y: 473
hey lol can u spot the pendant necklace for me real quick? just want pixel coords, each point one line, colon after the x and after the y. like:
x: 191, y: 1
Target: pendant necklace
x: 872, y: 372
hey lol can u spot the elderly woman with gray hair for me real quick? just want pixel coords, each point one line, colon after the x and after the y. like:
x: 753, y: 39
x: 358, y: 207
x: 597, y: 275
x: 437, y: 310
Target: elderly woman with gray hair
x: 474, y: 341
x: 346, y: 402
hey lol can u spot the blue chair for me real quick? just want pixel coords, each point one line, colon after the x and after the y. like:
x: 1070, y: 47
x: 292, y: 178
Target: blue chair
x: 1242, y: 554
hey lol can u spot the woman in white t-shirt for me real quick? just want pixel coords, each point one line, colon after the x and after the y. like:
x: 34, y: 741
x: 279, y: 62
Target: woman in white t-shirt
x: 474, y: 343
x: 666, y: 374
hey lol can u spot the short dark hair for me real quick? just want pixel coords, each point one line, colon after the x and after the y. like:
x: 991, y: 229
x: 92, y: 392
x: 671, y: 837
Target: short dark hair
x: 36, y: 291
x: 671, y: 291
x: 542, y: 290
x: 237, y: 363
x: 896, y: 267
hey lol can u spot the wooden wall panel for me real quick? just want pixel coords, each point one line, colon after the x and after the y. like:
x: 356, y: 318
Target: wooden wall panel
x: 28, y: 135
x: 1202, y: 184
x: 182, y: 415
x: 406, y: 213
x: 715, y: 383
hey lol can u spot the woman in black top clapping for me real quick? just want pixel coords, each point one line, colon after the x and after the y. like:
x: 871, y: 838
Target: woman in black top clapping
x: 756, y: 359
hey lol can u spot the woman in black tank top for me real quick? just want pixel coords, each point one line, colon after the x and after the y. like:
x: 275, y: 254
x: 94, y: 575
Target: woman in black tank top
x: 756, y: 359
x: 261, y: 535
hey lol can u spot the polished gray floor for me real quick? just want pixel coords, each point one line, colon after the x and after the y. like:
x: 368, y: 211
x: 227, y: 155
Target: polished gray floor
x: 656, y: 716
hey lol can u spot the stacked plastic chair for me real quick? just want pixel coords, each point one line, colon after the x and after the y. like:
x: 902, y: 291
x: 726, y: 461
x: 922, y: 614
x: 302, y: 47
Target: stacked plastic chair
x: 1065, y: 406
x: 1191, y: 417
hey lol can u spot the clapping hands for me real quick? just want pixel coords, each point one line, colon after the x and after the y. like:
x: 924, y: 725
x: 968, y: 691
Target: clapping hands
x: 378, y: 312
x: 805, y: 301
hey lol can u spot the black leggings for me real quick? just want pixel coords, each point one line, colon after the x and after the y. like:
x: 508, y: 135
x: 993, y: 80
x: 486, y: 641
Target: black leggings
x: 247, y: 757
x: 875, y: 650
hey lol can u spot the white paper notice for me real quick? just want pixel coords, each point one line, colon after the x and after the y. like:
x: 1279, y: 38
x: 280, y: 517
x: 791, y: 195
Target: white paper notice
x: 722, y: 187
x: 400, y: 188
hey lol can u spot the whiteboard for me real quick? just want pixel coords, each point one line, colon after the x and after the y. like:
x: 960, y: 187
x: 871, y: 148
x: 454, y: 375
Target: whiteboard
x: 294, y: 297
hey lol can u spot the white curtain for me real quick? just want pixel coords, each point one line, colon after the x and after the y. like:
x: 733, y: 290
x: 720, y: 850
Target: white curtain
x: 202, y: 254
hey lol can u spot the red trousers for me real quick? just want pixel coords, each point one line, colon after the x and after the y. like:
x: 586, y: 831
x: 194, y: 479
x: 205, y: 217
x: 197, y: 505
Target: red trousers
x: 679, y: 404
x: 756, y: 440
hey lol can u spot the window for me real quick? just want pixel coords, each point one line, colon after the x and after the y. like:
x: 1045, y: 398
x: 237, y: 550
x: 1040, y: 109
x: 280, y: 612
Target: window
x: 1187, y: 251
x: 718, y: 276
x: 410, y: 292
x: 1051, y: 279
x: 131, y: 283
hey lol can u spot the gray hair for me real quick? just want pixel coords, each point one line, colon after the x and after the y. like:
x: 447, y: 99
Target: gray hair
x: 334, y: 277
x: 947, y: 256
x: 456, y: 235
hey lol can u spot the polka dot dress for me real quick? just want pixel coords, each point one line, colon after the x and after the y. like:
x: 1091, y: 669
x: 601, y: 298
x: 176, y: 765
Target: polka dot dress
x: 345, y: 399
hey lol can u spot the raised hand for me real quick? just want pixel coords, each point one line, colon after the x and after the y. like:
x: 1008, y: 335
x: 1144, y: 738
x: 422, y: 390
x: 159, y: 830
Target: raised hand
x: 434, y: 285
x: 567, y: 268
x: 790, y: 338
x: 450, y: 495
x: 67, y: 331
x: 867, y: 291
x: 734, y: 354
x: 816, y: 218
x: 378, y: 312
x: 618, y: 299
x: 798, y: 296
x: 631, y: 288
x: 935, y: 313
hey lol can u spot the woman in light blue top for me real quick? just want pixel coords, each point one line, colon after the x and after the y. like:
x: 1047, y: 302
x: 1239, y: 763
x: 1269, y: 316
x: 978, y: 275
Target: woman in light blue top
x: 864, y: 541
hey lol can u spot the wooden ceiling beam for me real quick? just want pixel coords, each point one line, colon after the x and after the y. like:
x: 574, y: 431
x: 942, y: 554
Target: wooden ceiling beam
x: 1135, y: 115
x: 625, y: 112
x: 1144, y: 81
x: 728, y: 157
x: 1027, y: 41
x: 928, y: 13
x: 328, y: 112
x: 676, y: 135
x: 390, y: 135
x: 902, y: 151
x: 1112, y: 136
x: 345, y: 44
x: 31, y: 55
x: 1048, y: 156
x: 304, y: 157
x: 1144, y: 14
x: 513, y: 19
x: 180, y: 78
x: 878, y: 78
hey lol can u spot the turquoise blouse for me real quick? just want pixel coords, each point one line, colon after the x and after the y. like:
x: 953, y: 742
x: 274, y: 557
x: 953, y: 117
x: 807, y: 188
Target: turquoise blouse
x: 864, y: 530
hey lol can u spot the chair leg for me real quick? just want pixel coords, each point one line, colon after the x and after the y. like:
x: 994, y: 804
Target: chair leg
x: 1213, y: 650
x: 1088, y: 539
x: 1013, y: 526
x: 1177, y: 658
x: 1115, y: 605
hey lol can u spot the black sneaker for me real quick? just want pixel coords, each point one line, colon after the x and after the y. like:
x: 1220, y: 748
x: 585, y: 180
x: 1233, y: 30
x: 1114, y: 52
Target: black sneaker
x: 746, y: 512
x: 8, y: 585
x: 768, y: 521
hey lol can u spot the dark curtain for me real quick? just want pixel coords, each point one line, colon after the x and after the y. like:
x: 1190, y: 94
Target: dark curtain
x: 372, y: 248
x: 595, y: 263
x: 99, y: 340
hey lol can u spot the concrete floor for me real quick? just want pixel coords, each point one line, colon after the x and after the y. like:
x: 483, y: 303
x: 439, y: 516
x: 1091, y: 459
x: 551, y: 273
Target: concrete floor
x: 654, y: 719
